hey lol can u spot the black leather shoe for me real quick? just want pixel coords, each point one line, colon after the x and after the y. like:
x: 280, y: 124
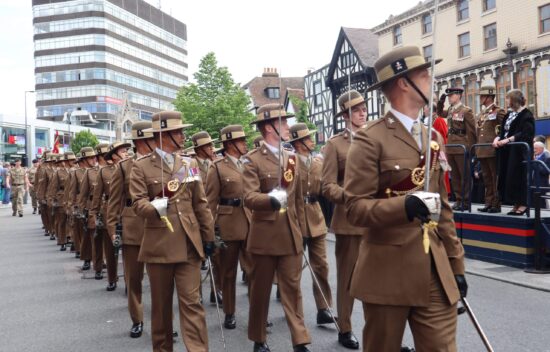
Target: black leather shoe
x: 63, y: 248
x: 111, y: 286
x: 52, y: 237
x: 98, y: 275
x: 230, y: 322
x: 213, y: 299
x: 407, y: 349
x: 457, y: 206
x: 261, y: 347
x: 204, y: 266
x: 301, y: 348
x: 485, y: 209
x: 20, y: 215
x: 244, y: 278
x: 34, y: 211
x: 86, y: 265
x: 13, y: 214
x: 494, y: 210
x: 268, y: 324
x: 77, y: 255
x: 46, y: 234
x: 278, y: 294
x: 136, y: 330
x: 348, y: 340
x: 323, y: 317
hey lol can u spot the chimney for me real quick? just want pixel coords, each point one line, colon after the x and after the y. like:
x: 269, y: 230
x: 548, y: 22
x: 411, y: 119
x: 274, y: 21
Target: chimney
x: 270, y: 72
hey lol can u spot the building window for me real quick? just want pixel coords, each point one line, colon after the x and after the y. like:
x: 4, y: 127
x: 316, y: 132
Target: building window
x: 426, y: 24
x: 544, y: 14
x: 346, y: 59
x: 503, y: 86
x: 464, y: 45
x: 317, y: 87
x: 463, y: 11
x: 471, y: 98
x: 397, y: 36
x: 320, y: 135
x: 489, y: 5
x: 272, y: 92
x: 526, y: 83
x: 490, y: 36
x: 427, y: 50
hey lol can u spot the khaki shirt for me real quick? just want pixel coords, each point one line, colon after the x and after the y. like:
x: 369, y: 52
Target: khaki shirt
x: 17, y: 176
x: 487, y: 124
x: 462, y: 129
x: 31, y: 174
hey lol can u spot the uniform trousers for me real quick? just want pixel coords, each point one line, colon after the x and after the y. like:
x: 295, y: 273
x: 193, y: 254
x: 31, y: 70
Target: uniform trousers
x: 229, y: 260
x: 346, y: 250
x: 17, y: 193
x: 133, y: 274
x: 186, y: 278
x: 86, y: 242
x: 97, y: 248
x: 76, y: 235
x: 433, y: 327
x: 289, y: 274
x: 109, y: 253
x: 317, y: 255
x: 60, y: 225
x: 489, y: 170
x: 458, y: 173
x: 53, y: 220
x: 32, y: 192
x: 45, y: 218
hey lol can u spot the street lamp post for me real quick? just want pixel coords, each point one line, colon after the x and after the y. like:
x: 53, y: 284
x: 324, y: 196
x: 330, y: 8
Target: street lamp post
x: 27, y: 139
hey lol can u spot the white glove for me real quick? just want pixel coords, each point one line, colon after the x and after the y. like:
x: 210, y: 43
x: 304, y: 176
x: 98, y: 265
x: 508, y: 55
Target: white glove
x: 160, y: 204
x: 279, y: 198
x: 432, y: 201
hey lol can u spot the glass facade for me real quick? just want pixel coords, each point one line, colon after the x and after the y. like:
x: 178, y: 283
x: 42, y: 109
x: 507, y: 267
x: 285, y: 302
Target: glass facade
x: 147, y: 63
x: 12, y: 143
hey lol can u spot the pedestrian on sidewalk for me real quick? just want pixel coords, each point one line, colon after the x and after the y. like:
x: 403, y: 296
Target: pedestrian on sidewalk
x: 6, y: 191
x: 17, y: 181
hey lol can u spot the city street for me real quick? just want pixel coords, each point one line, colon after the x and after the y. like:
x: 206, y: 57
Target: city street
x: 46, y: 305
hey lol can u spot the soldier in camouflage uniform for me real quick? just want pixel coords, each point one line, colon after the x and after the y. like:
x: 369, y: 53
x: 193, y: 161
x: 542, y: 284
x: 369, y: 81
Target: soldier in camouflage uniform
x: 17, y: 182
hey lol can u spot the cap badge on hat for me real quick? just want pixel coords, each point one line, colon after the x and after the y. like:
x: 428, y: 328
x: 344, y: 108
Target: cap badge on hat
x: 399, y: 66
x: 228, y: 135
x: 266, y: 114
x: 163, y: 124
x: 295, y: 134
x: 140, y: 133
x: 491, y: 91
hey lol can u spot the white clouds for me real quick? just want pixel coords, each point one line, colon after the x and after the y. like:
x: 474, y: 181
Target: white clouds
x: 246, y: 35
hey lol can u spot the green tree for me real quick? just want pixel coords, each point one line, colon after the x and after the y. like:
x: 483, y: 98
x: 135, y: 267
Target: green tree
x: 214, y: 101
x: 83, y: 139
x: 302, y: 111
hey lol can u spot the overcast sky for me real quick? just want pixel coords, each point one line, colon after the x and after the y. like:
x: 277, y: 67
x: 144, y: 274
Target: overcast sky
x: 246, y: 35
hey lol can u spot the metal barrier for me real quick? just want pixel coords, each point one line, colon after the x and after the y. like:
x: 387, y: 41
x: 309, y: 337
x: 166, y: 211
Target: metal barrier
x: 465, y: 153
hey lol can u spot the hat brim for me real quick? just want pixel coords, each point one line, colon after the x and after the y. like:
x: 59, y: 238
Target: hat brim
x: 233, y: 139
x: 203, y: 144
x: 166, y: 129
x: 344, y: 111
x: 111, y: 152
x: 311, y: 132
x: 272, y: 118
x: 401, y: 74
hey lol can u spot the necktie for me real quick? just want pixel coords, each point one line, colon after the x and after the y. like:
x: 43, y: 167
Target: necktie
x: 308, y: 162
x: 169, y: 159
x: 415, y: 131
x: 240, y: 165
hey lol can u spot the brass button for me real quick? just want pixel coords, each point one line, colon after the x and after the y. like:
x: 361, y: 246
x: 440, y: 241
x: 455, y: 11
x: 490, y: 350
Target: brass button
x: 177, y: 200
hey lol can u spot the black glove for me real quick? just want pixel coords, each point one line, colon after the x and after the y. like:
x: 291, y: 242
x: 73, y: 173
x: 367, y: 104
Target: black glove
x: 275, y: 204
x: 415, y: 208
x: 462, y: 285
x: 208, y: 248
x: 440, y: 104
x: 306, y: 241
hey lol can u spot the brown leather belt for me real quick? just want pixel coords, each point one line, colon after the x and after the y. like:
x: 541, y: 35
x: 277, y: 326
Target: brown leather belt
x: 310, y: 199
x: 232, y: 202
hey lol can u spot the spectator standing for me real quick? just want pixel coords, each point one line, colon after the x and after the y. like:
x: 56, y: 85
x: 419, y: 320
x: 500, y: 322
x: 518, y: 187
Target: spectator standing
x: 540, y: 174
x: 7, y: 191
x: 518, y: 126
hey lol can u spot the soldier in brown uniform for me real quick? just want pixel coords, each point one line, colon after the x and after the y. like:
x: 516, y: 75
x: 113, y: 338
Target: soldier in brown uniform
x: 224, y: 191
x: 17, y: 181
x: 83, y: 198
x: 462, y: 130
x: 397, y: 277
x: 487, y: 124
x: 314, y: 229
x: 205, y: 154
x: 121, y: 213
x: 348, y: 237
x: 31, y: 177
x: 41, y: 178
x: 115, y: 153
x: 43, y: 194
x: 69, y: 163
x: 86, y: 197
x: 272, y: 192
x: 56, y: 191
x: 167, y: 192
x: 76, y: 175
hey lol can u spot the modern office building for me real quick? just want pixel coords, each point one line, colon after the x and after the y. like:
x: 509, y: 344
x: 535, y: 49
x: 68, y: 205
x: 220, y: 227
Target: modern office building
x: 98, y: 55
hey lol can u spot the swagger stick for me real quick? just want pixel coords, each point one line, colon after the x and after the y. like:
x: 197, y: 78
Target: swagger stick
x: 430, y: 225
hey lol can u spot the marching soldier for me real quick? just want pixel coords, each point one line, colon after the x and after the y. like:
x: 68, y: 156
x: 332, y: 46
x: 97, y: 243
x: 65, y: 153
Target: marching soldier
x: 348, y: 237
x: 167, y: 192
x: 31, y: 176
x: 41, y: 178
x: 275, y: 240
x: 114, y: 154
x: 89, y: 248
x: 314, y: 229
x: 224, y: 191
x: 487, y: 125
x: 43, y: 194
x: 86, y: 198
x: 203, y: 146
x: 71, y: 195
x: 399, y: 276
x: 258, y: 141
x: 121, y: 213
x: 462, y: 130
x: 70, y: 163
x: 17, y: 181
x: 56, y: 191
